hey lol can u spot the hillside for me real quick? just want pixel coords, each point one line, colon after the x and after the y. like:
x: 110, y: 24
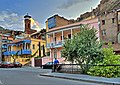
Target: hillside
x: 3, y: 30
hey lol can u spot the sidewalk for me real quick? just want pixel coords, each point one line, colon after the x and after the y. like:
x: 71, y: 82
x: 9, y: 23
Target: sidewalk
x: 86, y: 78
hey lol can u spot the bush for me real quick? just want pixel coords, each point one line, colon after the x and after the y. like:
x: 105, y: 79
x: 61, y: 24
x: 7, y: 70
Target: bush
x: 109, y: 59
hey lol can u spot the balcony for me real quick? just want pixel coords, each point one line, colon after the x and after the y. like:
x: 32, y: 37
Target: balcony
x: 24, y: 51
x: 55, y: 44
x: 7, y: 53
x: 4, y: 46
x: 58, y: 44
x: 21, y: 52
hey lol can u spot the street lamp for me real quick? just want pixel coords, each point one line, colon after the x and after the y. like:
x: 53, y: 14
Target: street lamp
x: 51, y: 46
x: 53, y: 56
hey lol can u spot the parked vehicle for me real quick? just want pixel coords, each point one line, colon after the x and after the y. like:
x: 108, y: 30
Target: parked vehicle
x: 0, y: 64
x: 17, y: 64
x: 48, y: 65
x: 7, y: 65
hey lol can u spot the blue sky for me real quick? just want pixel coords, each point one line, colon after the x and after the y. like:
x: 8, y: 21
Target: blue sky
x: 12, y: 11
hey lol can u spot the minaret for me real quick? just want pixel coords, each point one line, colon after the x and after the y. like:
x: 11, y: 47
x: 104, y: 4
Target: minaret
x: 27, y: 23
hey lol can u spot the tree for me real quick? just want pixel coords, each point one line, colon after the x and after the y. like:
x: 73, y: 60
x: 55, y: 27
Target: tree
x: 31, y: 56
x: 15, y: 56
x: 43, y: 50
x: 84, y: 48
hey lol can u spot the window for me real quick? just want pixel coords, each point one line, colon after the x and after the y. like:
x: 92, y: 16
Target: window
x: 33, y: 46
x: 51, y: 22
x: 113, y: 20
x: 55, y: 54
x: 106, y: 43
x: 103, y: 32
x: 60, y: 53
x: 9, y: 48
x: 26, y: 46
x: 61, y: 37
x: 113, y: 42
x: 23, y: 46
x: 69, y: 36
x: 103, y: 22
x: 55, y: 39
x: 41, y: 47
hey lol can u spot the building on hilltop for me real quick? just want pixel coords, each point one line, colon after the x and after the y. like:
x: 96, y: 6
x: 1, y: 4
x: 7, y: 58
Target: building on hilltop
x: 108, y: 15
x: 109, y: 23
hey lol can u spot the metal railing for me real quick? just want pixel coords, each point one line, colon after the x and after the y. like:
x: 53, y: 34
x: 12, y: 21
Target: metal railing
x: 75, y: 68
x: 55, y: 44
x: 70, y: 68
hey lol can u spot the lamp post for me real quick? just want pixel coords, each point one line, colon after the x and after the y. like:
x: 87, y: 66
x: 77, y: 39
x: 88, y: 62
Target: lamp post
x: 51, y: 55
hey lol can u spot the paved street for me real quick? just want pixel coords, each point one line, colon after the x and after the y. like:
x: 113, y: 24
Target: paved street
x: 30, y: 76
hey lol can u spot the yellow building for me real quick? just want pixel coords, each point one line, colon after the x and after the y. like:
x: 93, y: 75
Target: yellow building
x: 23, y: 49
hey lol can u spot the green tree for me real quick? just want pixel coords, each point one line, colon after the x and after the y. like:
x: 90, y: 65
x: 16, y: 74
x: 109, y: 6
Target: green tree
x: 15, y: 56
x: 31, y: 56
x: 84, y: 48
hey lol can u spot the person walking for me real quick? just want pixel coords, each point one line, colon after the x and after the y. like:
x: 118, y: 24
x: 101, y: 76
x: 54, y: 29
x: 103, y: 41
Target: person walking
x: 56, y: 62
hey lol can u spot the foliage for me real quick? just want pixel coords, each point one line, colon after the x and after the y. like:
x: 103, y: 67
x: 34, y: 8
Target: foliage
x: 38, y: 57
x: 84, y: 48
x: 48, y: 53
x: 69, y: 50
x: 31, y: 56
x: 109, y: 59
x: 15, y: 56
x: 43, y: 50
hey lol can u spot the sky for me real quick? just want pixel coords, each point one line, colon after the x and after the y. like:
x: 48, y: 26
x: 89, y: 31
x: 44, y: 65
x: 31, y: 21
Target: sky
x: 12, y: 11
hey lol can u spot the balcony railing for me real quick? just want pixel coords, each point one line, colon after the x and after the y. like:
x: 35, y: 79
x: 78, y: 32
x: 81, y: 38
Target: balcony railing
x: 55, y: 44
x: 7, y: 53
x: 21, y: 52
x: 24, y: 51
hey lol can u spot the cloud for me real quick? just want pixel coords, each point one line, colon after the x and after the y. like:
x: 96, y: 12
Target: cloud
x: 11, y: 20
x: 36, y: 25
x: 14, y: 21
x: 71, y: 3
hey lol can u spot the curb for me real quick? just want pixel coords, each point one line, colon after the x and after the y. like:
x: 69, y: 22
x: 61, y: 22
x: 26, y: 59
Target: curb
x: 92, y: 81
